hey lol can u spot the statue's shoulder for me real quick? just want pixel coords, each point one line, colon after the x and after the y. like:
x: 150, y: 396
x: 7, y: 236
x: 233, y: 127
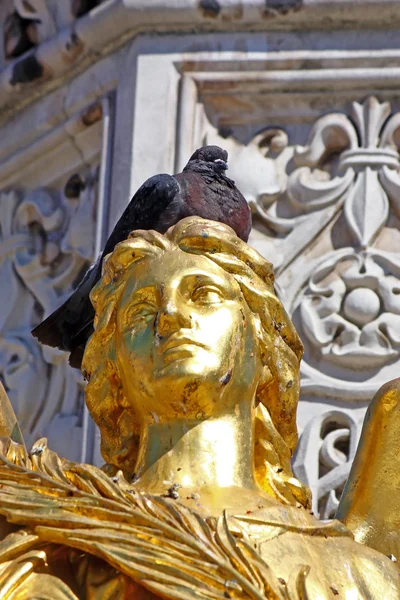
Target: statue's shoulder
x: 320, y: 557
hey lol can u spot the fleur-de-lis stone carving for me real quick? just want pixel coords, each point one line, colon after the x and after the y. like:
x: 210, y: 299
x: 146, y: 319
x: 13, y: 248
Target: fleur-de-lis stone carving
x: 367, y: 169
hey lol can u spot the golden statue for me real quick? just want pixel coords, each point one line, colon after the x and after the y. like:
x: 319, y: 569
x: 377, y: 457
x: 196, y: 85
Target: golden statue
x: 193, y: 380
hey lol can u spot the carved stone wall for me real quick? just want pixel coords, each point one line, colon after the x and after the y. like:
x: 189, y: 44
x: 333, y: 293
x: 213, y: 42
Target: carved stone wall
x: 304, y: 96
x: 344, y: 291
x: 48, y: 212
x: 28, y: 23
x: 46, y: 242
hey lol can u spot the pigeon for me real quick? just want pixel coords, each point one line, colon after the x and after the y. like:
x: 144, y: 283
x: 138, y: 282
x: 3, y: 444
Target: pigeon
x: 202, y: 189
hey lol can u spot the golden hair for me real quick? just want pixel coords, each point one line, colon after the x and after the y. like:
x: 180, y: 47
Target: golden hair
x: 279, y: 344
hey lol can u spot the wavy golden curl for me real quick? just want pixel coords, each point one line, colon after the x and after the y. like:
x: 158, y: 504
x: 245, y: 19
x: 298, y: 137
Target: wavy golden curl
x: 279, y: 345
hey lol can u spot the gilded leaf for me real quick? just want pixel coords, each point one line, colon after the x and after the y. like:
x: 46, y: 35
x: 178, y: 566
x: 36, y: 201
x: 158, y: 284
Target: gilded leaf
x: 158, y: 542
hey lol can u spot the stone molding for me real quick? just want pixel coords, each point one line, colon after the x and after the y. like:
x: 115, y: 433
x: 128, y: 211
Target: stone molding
x: 111, y: 24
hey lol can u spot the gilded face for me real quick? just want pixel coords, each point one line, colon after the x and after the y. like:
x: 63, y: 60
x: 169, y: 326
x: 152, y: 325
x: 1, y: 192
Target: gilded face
x: 185, y: 337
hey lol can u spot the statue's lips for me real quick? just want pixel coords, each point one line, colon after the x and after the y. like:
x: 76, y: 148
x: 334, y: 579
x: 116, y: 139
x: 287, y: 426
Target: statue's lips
x: 180, y: 343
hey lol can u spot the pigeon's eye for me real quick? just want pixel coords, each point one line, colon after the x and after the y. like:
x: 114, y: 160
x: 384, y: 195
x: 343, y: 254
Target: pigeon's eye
x: 207, y: 294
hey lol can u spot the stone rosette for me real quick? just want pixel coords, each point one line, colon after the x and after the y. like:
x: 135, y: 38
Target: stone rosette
x: 350, y: 308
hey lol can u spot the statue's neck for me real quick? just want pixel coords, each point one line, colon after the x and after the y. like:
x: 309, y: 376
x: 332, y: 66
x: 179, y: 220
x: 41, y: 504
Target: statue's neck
x: 193, y: 455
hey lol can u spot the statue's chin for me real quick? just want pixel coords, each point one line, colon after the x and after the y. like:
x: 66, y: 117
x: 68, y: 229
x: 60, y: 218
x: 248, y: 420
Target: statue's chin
x: 184, y: 391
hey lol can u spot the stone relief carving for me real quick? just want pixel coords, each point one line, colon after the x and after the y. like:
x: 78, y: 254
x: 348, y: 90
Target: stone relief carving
x: 329, y: 213
x: 46, y: 241
x: 346, y: 303
x: 345, y: 300
x: 31, y: 22
x: 324, y: 456
x: 367, y: 167
x: 355, y: 166
x: 39, y: 12
x: 351, y: 308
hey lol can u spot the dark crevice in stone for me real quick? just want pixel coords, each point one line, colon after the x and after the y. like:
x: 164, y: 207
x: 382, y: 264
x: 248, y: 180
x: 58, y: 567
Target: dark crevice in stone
x: 17, y: 35
x: 81, y: 7
x: 26, y: 70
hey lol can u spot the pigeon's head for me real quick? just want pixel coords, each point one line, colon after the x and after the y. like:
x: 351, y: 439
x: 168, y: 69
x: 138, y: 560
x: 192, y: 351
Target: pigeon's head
x: 211, y: 158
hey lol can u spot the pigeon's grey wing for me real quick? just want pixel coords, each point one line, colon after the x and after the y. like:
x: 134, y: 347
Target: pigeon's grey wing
x: 156, y: 205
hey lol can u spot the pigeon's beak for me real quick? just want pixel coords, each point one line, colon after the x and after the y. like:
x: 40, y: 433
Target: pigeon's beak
x: 221, y: 164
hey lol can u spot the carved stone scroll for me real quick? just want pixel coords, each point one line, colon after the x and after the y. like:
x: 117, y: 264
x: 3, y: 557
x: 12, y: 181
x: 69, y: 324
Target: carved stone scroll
x: 324, y: 456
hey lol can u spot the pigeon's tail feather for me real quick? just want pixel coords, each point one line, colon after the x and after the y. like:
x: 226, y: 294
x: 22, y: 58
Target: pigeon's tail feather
x: 51, y: 331
x: 64, y: 328
x: 79, y: 345
x: 78, y: 342
x: 76, y: 357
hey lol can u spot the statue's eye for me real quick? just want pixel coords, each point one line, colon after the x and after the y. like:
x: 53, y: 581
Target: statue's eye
x: 207, y: 294
x: 141, y: 313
